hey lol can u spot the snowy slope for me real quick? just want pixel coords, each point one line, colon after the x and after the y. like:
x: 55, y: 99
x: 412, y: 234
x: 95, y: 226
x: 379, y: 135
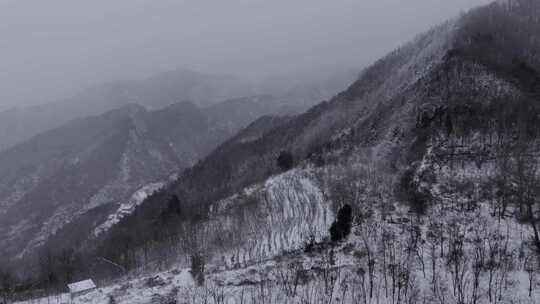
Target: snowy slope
x: 414, y: 146
x: 128, y: 207
x: 267, y: 219
x: 87, y: 173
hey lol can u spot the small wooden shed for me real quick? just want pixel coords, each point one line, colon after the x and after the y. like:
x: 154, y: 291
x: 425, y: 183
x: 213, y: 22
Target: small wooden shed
x: 80, y: 288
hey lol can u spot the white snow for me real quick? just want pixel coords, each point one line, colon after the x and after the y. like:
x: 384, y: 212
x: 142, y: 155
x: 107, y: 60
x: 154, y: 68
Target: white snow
x: 128, y: 207
x: 81, y: 286
x: 267, y: 219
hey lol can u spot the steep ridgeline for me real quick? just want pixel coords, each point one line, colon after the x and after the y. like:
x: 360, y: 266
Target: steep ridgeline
x: 446, y: 126
x: 310, y: 90
x: 20, y: 124
x: 91, y: 172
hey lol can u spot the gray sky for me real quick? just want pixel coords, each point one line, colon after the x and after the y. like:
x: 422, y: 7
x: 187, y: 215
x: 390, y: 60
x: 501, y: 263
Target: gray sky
x: 51, y: 49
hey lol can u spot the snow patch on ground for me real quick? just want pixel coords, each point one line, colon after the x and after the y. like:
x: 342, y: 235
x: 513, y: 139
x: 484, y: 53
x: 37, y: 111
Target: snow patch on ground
x: 266, y: 219
x: 128, y: 207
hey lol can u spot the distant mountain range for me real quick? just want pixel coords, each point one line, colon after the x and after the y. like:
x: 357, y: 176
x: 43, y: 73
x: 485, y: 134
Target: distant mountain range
x: 94, y: 165
x: 20, y: 124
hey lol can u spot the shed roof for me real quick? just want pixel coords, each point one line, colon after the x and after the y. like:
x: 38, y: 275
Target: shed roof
x: 81, y: 286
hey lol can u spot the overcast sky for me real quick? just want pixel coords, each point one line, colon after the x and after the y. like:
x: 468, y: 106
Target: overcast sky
x: 51, y: 49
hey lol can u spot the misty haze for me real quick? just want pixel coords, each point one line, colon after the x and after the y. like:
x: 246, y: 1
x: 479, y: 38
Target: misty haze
x: 53, y: 49
x: 248, y: 151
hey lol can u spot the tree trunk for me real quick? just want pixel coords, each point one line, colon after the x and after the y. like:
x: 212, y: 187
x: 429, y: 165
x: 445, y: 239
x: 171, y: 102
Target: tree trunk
x: 532, y: 220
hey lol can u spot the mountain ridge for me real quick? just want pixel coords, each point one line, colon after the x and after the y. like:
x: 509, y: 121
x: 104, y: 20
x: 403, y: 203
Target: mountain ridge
x: 389, y: 113
x: 431, y: 156
x: 103, y: 160
x: 20, y: 124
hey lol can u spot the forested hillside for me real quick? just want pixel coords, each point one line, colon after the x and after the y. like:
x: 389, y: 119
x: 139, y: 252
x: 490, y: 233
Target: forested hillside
x: 59, y: 187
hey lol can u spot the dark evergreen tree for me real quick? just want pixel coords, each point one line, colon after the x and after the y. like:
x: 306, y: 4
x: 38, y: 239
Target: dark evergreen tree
x: 174, y: 208
x: 285, y: 160
x: 341, y: 227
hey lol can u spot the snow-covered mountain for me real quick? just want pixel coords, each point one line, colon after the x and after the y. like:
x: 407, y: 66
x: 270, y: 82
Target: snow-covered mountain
x: 91, y: 172
x: 434, y: 149
x: 428, y: 146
